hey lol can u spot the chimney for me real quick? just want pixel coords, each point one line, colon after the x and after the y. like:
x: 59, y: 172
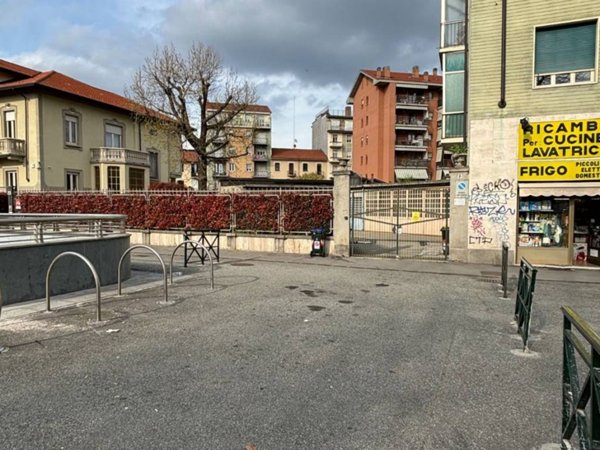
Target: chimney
x: 348, y: 111
x: 379, y: 72
x: 386, y: 71
x: 434, y: 71
x: 415, y: 71
x: 426, y: 76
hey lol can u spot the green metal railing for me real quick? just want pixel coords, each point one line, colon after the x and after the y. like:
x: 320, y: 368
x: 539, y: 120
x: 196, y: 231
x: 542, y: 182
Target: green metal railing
x: 580, y: 406
x: 525, y: 289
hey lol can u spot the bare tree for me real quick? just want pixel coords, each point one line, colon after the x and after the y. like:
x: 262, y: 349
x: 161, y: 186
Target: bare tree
x: 195, y: 96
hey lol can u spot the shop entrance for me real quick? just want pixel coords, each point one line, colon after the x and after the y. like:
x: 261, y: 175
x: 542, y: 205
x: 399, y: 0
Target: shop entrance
x: 559, y: 230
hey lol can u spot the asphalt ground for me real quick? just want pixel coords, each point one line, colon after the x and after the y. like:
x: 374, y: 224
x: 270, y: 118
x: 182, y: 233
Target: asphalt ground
x: 293, y: 352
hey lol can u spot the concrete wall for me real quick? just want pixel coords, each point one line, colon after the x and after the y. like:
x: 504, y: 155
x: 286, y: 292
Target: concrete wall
x: 23, y: 269
x: 268, y: 243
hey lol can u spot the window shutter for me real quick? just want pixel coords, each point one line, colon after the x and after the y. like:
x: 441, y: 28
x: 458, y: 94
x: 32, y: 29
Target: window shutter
x: 565, y: 48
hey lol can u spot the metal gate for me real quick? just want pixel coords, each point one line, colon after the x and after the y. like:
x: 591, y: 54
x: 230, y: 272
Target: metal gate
x: 400, y: 221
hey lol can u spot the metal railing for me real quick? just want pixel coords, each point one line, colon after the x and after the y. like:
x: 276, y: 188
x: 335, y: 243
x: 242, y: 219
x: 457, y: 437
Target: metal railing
x: 195, y: 244
x: 94, y: 273
x: 580, y: 402
x: 504, y: 273
x: 525, y: 289
x: 453, y: 33
x: 162, y: 263
x: 18, y: 229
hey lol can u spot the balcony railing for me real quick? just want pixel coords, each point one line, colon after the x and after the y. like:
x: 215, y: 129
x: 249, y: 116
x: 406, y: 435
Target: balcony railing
x: 260, y: 157
x: 10, y: 147
x: 411, y: 124
x: 291, y: 174
x: 454, y: 125
x: 261, y: 174
x: 119, y: 156
x: 412, y: 99
x: 347, y: 127
x: 260, y: 140
x: 453, y: 33
x: 336, y: 144
x: 401, y: 163
x: 411, y: 146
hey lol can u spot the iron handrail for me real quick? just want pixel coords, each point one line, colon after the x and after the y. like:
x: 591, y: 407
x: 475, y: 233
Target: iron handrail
x: 575, y: 396
x: 94, y: 273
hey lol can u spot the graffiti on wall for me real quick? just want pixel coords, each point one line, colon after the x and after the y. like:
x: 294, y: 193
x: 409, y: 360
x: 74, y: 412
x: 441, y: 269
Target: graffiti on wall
x: 490, y: 212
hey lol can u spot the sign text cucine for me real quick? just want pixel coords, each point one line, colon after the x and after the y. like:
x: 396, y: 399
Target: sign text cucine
x: 560, y: 151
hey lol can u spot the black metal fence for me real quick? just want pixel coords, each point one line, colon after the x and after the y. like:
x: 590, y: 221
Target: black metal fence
x: 581, y: 391
x: 525, y: 289
x: 504, y: 273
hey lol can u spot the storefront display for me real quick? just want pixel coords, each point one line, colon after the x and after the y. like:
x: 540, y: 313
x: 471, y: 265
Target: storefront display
x: 543, y: 222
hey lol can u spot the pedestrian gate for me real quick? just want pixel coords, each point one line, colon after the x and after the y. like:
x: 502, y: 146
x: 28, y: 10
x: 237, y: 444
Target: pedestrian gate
x: 400, y: 221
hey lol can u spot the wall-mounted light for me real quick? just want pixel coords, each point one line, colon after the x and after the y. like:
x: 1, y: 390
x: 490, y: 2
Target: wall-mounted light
x: 526, y: 126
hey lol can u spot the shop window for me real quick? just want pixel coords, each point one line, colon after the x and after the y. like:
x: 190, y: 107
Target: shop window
x: 565, y: 54
x: 543, y: 222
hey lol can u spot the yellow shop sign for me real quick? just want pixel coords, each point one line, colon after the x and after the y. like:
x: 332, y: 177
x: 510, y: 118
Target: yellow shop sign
x: 552, y: 170
x: 561, y: 140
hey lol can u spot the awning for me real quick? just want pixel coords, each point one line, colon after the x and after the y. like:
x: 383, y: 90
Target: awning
x: 411, y: 173
x: 559, y: 189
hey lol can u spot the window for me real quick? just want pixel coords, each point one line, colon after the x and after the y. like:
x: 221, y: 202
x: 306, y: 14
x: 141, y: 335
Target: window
x: 136, y: 179
x: 367, y: 140
x: 194, y: 169
x: 114, y: 178
x: 367, y: 120
x: 565, y: 54
x: 454, y: 94
x: 319, y: 169
x: 361, y: 160
x: 367, y: 159
x: 231, y: 167
x: 71, y: 129
x: 277, y: 167
x: 113, y: 136
x: 154, y: 173
x: 248, y: 167
x: 291, y: 168
x: 97, y: 178
x: 335, y: 138
x: 10, y: 178
x: 72, y: 181
x: 304, y: 167
x: 10, y: 124
x: 219, y: 168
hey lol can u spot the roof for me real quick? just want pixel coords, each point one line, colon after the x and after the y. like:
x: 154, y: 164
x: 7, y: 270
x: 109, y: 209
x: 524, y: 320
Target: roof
x: 377, y: 76
x: 211, y: 106
x: 296, y: 154
x: 190, y: 156
x: 59, y: 82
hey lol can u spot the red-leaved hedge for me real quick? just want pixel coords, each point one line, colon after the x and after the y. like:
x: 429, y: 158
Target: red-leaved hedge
x: 3, y: 203
x: 289, y: 212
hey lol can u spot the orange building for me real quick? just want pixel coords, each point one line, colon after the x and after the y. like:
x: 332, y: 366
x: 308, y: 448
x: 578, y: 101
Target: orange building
x: 395, y: 117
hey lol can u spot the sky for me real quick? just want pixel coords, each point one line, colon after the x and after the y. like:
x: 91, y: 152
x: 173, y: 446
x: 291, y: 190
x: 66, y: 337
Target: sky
x: 303, y: 55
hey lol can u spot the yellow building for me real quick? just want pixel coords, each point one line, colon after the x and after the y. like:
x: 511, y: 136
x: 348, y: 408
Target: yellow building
x: 292, y: 164
x: 532, y: 106
x: 59, y: 133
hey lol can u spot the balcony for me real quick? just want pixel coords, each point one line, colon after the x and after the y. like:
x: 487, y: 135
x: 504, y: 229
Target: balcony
x: 400, y: 163
x: 404, y: 145
x: 291, y: 174
x: 109, y: 155
x: 336, y: 144
x: 260, y: 140
x: 411, y: 124
x: 412, y: 101
x: 261, y: 174
x: 12, y: 148
x: 341, y: 128
x: 453, y: 34
x: 263, y: 123
x: 260, y: 157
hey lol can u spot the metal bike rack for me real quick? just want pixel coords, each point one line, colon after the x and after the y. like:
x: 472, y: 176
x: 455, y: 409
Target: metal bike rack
x: 195, y: 244
x: 162, y: 263
x: 94, y: 273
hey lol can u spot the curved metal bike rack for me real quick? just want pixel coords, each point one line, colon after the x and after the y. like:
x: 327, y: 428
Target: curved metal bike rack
x: 162, y: 263
x: 94, y: 273
x: 195, y: 244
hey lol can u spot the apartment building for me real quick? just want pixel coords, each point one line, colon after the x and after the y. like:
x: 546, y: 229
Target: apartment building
x: 532, y: 129
x: 332, y: 133
x: 59, y: 133
x: 299, y: 164
x: 395, y: 127
x: 246, y: 153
